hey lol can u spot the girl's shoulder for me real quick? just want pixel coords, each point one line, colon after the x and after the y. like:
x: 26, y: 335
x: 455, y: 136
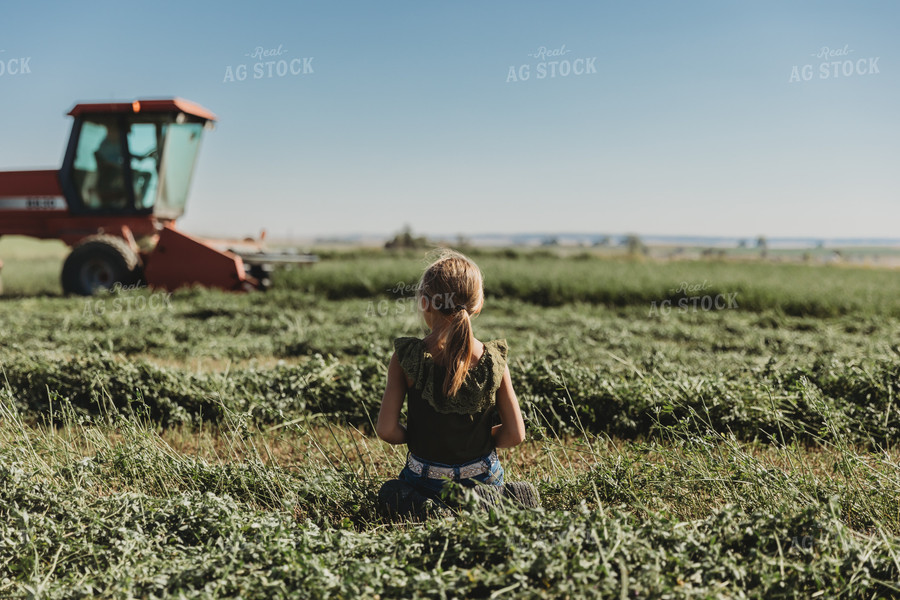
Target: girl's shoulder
x: 494, y: 355
x: 411, y: 353
x: 412, y: 349
x: 408, y: 348
x: 498, y: 348
x: 481, y: 384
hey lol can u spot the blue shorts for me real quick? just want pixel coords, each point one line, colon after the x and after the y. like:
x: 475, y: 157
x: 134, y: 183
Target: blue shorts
x: 433, y: 487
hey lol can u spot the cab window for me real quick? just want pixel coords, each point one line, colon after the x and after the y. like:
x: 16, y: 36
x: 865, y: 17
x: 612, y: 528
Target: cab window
x: 99, y: 168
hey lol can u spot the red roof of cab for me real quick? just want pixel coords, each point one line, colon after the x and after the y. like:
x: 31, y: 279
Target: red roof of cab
x: 139, y: 106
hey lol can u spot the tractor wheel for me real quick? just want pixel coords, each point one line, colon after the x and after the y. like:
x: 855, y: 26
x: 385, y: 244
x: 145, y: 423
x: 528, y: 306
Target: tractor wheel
x: 100, y: 262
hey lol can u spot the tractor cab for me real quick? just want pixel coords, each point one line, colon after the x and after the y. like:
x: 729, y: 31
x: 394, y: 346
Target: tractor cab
x: 132, y: 159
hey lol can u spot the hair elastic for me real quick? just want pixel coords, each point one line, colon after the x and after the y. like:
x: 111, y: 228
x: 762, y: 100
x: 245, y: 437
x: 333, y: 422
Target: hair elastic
x: 449, y: 310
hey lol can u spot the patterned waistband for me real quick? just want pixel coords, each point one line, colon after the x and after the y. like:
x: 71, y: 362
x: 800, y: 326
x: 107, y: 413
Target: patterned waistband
x: 464, y: 471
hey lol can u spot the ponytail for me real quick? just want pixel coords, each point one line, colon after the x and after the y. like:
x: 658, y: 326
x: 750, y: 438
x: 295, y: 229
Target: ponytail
x: 458, y: 346
x: 453, y: 286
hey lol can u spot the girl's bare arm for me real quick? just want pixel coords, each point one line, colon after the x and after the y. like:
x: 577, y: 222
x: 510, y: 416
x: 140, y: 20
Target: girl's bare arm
x: 388, y: 427
x: 511, y: 431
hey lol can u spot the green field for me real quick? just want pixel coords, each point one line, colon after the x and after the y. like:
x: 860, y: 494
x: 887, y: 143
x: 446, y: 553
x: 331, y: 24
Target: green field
x: 203, y: 444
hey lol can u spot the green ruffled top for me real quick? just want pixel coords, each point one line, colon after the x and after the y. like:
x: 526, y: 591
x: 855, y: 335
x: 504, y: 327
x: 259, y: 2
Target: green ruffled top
x: 479, y: 388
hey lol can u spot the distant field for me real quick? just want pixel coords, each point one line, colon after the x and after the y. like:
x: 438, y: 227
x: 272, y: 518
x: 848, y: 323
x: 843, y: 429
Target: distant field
x: 206, y: 444
x: 541, y: 278
x: 31, y: 266
x: 549, y: 277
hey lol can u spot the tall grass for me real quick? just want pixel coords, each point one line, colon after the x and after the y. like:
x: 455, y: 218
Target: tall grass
x: 108, y: 506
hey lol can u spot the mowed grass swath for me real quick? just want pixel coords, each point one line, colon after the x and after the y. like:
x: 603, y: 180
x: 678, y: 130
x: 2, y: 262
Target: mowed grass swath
x: 219, y: 445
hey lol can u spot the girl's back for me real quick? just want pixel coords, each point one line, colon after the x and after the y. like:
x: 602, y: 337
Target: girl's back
x: 456, y: 390
x: 453, y: 429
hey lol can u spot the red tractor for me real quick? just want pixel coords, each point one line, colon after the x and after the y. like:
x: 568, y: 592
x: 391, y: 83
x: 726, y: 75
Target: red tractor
x: 123, y: 183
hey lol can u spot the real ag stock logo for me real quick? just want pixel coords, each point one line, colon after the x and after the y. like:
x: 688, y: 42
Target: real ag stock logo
x: 835, y: 63
x: 126, y: 299
x: 270, y: 62
x: 692, y: 299
x: 552, y: 65
x: 14, y: 66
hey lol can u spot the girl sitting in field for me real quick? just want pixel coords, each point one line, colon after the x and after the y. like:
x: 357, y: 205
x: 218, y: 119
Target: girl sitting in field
x: 455, y: 387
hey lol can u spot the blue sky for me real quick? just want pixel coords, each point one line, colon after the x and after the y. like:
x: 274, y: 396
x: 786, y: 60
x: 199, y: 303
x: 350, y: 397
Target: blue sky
x: 690, y: 125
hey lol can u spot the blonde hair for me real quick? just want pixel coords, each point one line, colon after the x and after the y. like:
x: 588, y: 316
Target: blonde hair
x: 453, y: 286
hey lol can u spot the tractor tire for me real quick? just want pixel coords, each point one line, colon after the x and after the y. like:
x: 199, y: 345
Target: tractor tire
x: 100, y: 262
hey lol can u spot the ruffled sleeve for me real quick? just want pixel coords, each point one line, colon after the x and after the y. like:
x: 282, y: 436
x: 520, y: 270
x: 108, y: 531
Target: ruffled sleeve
x: 496, y: 351
x: 411, y: 354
